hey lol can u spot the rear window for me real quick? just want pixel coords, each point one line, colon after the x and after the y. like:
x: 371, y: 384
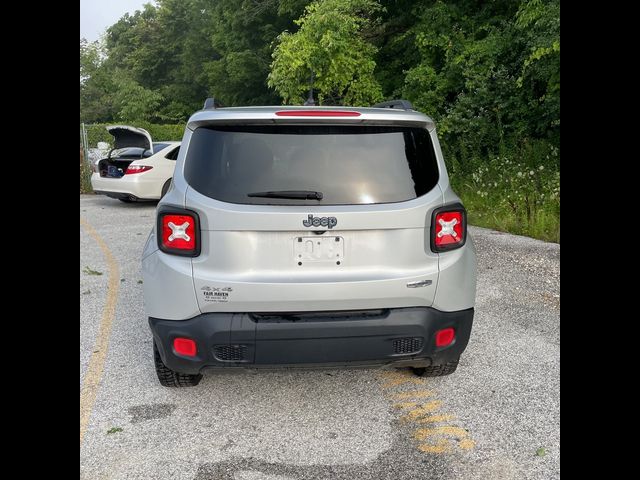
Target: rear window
x: 130, y: 152
x: 347, y: 164
x: 159, y: 146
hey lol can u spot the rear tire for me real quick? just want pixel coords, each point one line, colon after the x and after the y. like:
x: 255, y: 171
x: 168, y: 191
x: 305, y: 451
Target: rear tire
x: 126, y: 200
x: 437, y: 370
x: 165, y: 188
x: 171, y: 378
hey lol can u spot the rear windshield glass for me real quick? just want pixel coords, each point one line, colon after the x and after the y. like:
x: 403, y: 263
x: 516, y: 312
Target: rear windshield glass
x: 129, y: 152
x: 346, y: 164
x: 159, y: 146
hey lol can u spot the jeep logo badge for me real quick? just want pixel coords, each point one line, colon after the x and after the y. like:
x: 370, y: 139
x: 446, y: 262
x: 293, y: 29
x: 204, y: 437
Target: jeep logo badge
x: 320, y: 222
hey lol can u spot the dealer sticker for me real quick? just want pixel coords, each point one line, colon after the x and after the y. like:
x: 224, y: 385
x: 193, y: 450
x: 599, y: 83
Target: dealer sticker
x: 216, y: 294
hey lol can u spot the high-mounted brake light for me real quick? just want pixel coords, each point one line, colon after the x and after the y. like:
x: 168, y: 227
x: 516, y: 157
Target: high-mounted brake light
x: 448, y: 228
x: 317, y: 113
x: 178, y: 232
x: 137, y: 169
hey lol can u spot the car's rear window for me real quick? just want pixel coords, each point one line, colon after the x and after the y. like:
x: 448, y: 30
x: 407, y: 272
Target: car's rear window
x: 347, y: 164
x: 159, y: 146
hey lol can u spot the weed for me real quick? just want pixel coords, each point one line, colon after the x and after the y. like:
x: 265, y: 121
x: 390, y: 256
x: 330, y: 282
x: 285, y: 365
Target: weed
x: 517, y: 196
x: 90, y: 271
x: 85, y: 178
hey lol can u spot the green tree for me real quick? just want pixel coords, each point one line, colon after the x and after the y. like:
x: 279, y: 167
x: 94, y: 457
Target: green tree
x: 134, y: 102
x: 242, y: 33
x: 332, y: 43
x: 96, y: 84
x: 488, y: 73
x: 538, y: 24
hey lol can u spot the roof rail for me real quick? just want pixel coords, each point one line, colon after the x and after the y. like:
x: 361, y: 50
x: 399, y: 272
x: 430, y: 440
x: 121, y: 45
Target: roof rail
x: 211, y: 103
x: 401, y: 104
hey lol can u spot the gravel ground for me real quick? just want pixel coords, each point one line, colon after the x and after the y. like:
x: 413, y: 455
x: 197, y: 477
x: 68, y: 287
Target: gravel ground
x: 497, y: 417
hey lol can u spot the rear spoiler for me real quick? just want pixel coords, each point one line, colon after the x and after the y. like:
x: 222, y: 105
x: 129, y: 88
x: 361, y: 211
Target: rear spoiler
x: 399, y: 104
x: 211, y: 104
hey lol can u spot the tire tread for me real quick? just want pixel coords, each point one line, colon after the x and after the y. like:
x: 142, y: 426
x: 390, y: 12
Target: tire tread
x: 171, y: 378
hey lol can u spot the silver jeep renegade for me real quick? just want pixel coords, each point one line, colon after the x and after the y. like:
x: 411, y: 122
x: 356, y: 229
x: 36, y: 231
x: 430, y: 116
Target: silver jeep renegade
x: 309, y: 237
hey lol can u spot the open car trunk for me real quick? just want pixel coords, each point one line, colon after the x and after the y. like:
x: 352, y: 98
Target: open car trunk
x: 129, y: 144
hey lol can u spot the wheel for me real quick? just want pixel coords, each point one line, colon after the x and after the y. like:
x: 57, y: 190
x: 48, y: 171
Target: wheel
x: 165, y: 188
x: 126, y: 200
x: 171, y: 378
x: 437, y: 370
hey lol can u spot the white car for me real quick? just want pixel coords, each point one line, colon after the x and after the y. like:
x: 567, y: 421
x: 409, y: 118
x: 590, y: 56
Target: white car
x: 136, y: 168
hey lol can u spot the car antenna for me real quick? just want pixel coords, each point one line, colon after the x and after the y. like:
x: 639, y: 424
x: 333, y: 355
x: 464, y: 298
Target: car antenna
x: 310, y: 102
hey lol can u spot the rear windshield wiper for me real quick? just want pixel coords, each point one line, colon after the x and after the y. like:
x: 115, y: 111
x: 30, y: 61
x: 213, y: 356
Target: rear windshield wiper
x: 297, y: 194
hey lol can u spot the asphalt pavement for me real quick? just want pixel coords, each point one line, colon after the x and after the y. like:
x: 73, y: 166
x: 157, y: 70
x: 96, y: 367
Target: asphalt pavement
x: 496, y: 417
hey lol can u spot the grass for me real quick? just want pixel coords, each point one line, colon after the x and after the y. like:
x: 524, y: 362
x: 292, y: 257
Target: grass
x: 543, y: 223
x: 85, y: 178
x: 114, y: 430
x: 90, y: 271
x: 516, y: 191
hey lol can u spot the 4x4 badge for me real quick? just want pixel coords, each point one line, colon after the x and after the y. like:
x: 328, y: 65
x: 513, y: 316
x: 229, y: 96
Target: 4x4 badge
x: 320, y: 222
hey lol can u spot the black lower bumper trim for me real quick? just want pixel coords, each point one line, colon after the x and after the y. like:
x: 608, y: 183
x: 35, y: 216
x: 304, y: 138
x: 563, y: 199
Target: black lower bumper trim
x: 396, y: 336
x: 118, y: 195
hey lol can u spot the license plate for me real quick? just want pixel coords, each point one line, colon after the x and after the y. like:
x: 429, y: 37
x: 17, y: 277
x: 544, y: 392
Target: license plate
x: 318, y: 249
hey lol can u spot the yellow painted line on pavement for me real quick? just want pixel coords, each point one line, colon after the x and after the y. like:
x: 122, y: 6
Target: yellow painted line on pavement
x: 432, y: 438
x: 406, y: 405
x: 449, y: 430
x: 423, y: 410
x: 441, y: 446
x: 92, y: 377
x: 466, y: 444
x: 436, y: 418
x: 410, y: 395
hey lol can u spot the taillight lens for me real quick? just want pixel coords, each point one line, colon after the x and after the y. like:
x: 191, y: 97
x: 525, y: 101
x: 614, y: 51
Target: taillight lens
x: 137, y: 169
x: 448, y: 228
x: 179, y: 232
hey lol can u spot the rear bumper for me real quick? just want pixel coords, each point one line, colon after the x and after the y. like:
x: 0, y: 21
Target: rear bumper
x: 130, y: 186
x: 117, y: 195
x: 394, y: 337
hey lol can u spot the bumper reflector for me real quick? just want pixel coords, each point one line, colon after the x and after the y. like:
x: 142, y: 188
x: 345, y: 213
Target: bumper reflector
x: 185, y: 346
x: 445, y: 337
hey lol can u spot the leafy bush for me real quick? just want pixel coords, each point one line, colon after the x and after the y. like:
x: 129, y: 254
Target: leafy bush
x: 517, y: 191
